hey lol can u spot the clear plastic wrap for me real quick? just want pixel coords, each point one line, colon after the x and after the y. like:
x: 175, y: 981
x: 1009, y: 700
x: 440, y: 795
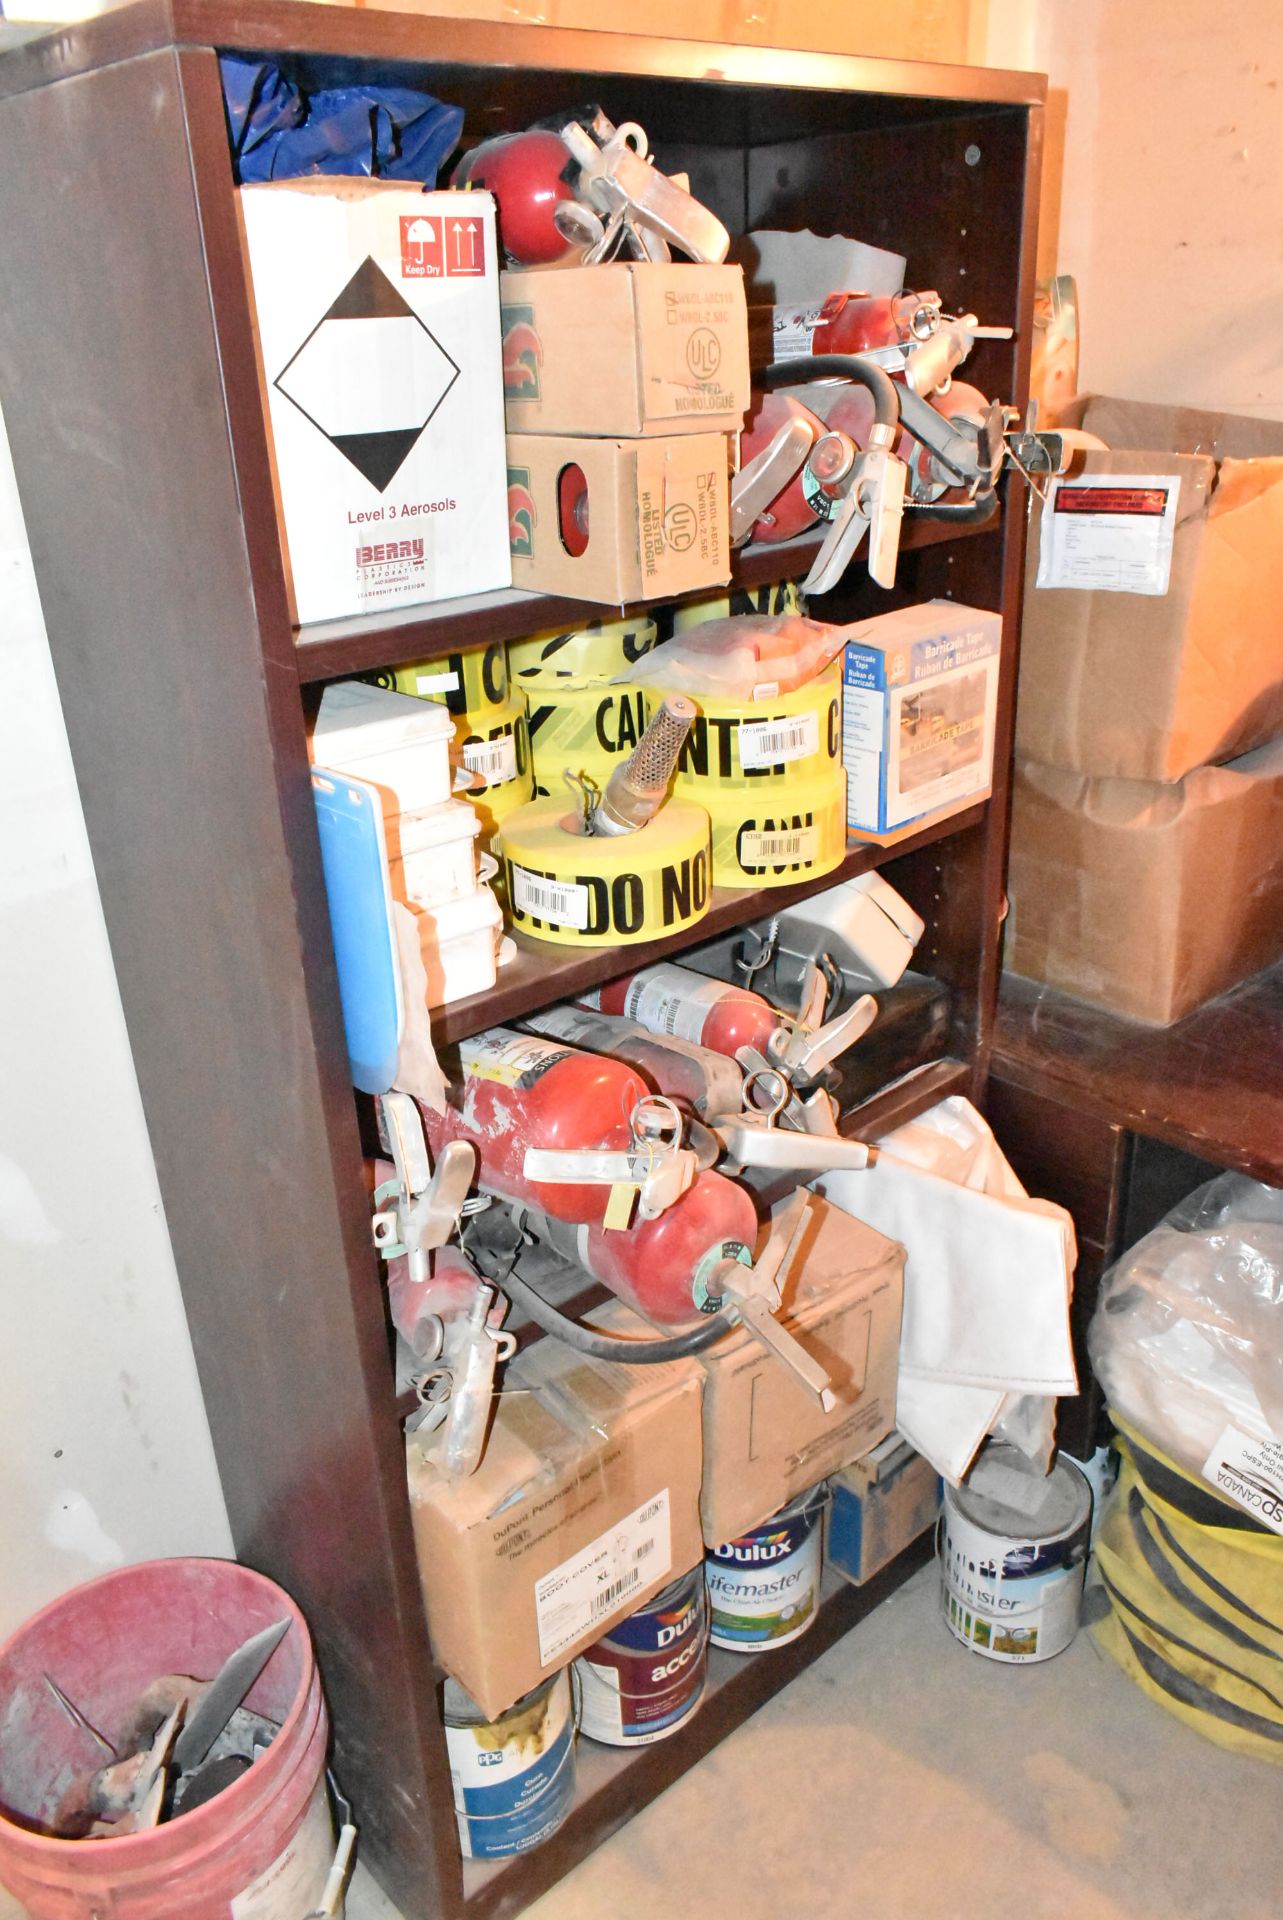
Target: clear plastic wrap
x: 1187, y: 1337
x: 748, y: 656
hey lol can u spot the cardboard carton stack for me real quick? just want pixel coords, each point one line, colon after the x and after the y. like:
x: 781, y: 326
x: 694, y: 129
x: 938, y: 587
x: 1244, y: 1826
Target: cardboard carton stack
x: 1147, y: 829
x: 621, y: 385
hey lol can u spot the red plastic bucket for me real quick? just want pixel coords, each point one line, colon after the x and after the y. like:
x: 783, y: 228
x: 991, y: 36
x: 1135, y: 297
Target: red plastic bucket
x: 260, y: 1850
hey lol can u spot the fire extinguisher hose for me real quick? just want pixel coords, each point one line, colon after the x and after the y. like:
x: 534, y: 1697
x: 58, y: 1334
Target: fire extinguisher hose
x: 837, y: 366
x: 605, y: 1346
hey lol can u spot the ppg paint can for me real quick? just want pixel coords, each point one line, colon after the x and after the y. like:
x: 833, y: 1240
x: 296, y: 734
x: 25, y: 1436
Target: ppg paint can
x: 513, y: 1777
x: 647, y: 1676
x: 1013, y: 1556
x: 764, y: 1588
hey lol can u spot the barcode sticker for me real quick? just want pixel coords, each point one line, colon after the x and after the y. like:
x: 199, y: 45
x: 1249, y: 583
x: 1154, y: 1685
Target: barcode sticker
x: 577, y: 1596
x: 764, y: 743
x: 427, y: 683
x: 563, y: 902
x: 780, y: 847
x: 494, y: 760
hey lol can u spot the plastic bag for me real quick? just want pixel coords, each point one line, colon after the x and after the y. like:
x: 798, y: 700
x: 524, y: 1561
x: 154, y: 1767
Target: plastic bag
x: 749, y: 656
x: 280, y: 133
x: 1187, y: 1337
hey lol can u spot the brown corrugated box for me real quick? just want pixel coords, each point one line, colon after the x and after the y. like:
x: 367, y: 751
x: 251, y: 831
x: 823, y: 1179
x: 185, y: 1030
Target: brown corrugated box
x: 585, y: 1464
x: 766, y: 1439
x: 1147, y: 898
x: 634, y: 347
x: 1148, y: 687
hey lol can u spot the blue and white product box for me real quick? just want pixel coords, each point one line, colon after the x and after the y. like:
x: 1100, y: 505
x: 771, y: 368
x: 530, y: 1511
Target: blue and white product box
x: 878, y: 1507
x: 919, y: 696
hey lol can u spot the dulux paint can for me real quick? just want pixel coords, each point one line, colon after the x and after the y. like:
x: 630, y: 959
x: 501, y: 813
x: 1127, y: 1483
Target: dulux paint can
x: 639, y: 1683
x: 514, y: 1776
x: 1013, y: 1557
x: 764, y: 1588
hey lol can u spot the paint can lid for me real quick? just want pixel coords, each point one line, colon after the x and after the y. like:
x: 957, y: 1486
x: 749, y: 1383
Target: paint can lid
x: 1005, y: 1493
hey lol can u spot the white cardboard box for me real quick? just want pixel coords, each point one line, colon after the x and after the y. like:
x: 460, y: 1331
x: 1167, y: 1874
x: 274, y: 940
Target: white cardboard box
x: 919, y: 702
x: 377, y: 316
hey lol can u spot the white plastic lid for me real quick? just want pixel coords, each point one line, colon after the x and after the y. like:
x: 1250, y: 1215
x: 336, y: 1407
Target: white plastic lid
x: 437, y: 826
x: 470, y: 913
x: 356, y: 722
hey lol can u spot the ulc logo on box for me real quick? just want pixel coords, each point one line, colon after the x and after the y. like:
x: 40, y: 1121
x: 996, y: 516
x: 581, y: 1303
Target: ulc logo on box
x: 521, y: 512
x: 437, y: 249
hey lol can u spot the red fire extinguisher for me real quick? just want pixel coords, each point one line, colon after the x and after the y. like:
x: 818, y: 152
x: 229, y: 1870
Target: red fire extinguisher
x: 676, y: 1000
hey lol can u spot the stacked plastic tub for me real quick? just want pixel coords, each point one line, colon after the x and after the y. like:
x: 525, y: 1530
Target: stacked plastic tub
x: 399, y: 749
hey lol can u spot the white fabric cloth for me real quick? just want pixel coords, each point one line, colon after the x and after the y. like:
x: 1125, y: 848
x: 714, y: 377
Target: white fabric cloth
x: 984, y: 1341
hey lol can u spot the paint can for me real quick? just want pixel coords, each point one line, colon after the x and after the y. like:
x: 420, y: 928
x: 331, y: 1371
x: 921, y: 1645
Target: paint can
x: 639, y: 1683
x: 764, y: 1588
x: 514, y: 1776
x: 1013, y: 1556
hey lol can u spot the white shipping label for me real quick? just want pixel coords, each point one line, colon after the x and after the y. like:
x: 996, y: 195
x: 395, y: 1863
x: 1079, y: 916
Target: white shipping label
x: 778, y: 847
x: 427, y: 683
x: 494, y: 760
x: 1250, y: 1473
x: 295, y: 1881
x: 764, y: 743
x: 563, y: 902
x: 671, y: 1000
x: 1109, y: 533
x: 582, y: 1593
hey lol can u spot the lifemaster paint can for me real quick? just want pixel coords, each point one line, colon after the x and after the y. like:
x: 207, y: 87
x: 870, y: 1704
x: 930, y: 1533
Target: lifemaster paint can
x: 763, y: 1589
x: 647, y: 1675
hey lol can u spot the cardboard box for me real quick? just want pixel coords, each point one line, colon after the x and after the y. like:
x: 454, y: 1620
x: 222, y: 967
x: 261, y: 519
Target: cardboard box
x: 765, y: 1438
x: 585, y: 1504
x: 617, y: 521
x: 1143, y: 687
x: 377, y: 318
x: 625, y: 349
x: 879, y: 1506
x: 919, y: 698
x: 1147, y: 898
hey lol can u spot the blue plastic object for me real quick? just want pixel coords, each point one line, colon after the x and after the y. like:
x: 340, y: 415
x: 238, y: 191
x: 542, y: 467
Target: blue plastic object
x: 349, y: 814
x: 279, y: 132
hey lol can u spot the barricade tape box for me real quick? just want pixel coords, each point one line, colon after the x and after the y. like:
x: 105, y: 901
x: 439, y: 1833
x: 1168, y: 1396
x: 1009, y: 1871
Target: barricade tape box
x: 919, y: 701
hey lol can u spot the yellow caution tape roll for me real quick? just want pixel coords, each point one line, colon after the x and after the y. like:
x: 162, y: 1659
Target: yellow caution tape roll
x: 586, y: 729
x: 471, y: 684
x: 735, y: 746
x: 784, y: 596
x: 778, y: 835
x: 601, y: 651
x: 496, y: 750
x: 598, y: 891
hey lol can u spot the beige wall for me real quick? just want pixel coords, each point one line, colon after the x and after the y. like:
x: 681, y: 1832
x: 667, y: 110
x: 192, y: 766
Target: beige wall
x: 1170, y: 210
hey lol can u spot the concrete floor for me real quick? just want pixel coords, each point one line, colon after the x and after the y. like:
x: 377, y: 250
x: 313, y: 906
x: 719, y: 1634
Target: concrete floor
x: 903, y: 1778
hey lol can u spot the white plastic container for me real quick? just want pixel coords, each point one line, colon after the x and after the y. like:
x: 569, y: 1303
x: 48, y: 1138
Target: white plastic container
x: 399, y: 744
x: 459, y: 941
x: 431, y: 856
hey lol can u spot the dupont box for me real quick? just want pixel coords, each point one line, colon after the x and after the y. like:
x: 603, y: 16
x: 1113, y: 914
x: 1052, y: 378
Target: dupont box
x: 919, y: 697
x: 585, y: 1504
x: 616, y: 521
x: 879, y: 1506
x: 766, y: 1439
x: 377, y: 318
x: 626, y: 349
x: 1147, y: 897
x: 1125, y: 684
